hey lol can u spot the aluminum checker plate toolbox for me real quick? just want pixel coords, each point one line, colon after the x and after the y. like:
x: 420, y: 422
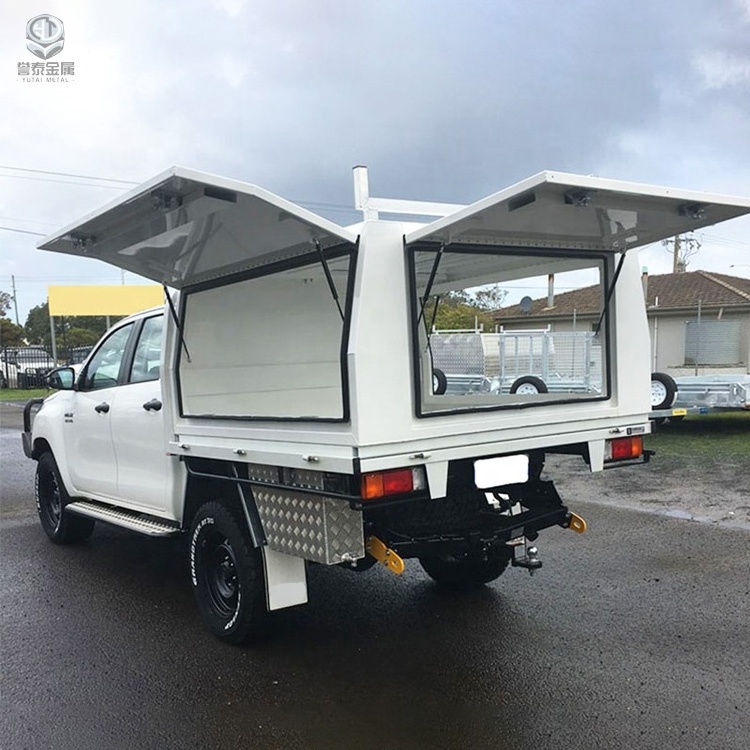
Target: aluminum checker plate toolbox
x: 317, y: 528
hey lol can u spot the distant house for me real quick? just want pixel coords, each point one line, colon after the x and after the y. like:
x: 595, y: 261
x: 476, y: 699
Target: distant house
x: 698, y: 320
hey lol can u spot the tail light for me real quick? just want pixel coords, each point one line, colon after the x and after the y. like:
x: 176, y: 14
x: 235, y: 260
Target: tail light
x: 622, y: 449
x: 379, y: 484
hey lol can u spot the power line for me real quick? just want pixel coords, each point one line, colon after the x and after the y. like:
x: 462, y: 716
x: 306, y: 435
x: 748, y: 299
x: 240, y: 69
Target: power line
x: 310, y: 205
x: 63, y: 182
x: 23, y: 231
x: 67, y: 174
x: 28, y: 221
x: 724, y: 241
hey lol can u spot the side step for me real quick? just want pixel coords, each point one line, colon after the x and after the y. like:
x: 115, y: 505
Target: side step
x: 127, y: 519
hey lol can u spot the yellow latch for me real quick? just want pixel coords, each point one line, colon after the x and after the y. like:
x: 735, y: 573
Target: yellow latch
x: 384, y: 555
x: 576, y: 523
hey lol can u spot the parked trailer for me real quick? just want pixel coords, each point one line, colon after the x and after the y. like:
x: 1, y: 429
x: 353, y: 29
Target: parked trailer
x: 702, y: 394
x: 280, y: 408
x: 532, y: 361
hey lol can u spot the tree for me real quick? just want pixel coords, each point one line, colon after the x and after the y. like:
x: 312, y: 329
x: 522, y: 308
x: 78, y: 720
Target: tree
x: 69, y: 332
x: 6, y: 300
x: 10, y: 333
x: 37, y: 325
x: 80, y: 337
x: 465, y: 309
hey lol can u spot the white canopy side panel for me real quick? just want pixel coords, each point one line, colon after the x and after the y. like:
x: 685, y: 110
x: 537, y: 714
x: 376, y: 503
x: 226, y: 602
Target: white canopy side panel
x: 184, y: 228
x: 555, y: 209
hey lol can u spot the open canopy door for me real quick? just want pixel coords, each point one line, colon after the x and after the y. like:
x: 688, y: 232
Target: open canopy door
x: 559, y: 210
x: 185, y: 228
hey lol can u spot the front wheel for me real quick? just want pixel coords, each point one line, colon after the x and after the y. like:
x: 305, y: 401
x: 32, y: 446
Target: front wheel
x: 465, y: 572
x: 51, y: 499
x: 227, y: 574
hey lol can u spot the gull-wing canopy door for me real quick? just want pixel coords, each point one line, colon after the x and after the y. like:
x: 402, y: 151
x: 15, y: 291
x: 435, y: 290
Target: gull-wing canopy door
x: 185, y: 228
x: 559, y: 210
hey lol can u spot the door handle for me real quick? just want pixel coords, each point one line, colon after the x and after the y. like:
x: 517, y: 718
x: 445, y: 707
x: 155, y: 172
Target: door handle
x: 153, y: 405
x: 102, y: 408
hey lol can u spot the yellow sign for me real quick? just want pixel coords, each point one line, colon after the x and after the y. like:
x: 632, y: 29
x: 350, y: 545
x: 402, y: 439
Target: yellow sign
x: 103, y: 300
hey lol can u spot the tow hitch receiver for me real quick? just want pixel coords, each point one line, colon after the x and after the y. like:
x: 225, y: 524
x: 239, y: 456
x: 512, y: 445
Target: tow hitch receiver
x: 575, y: 523
x: 384, y: 555
x: 524, y: 556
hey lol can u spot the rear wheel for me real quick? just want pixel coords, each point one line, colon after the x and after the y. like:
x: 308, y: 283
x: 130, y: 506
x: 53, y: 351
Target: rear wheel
x: 51, y: 499
x: 227, y: 574
x: 465, y: 572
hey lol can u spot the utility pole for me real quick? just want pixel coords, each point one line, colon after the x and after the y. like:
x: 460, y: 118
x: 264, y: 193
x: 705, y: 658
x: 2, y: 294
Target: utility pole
x: 682, y: 249
x: 15, y: 301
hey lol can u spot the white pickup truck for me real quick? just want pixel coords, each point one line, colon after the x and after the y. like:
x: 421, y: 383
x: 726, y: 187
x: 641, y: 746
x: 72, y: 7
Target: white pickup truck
x: 283, y: 409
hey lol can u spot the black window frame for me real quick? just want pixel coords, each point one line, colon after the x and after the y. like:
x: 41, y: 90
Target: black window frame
x: 137, y: 340
x: 605, y: 260
x: 299, y: 261
x: 124, y: 366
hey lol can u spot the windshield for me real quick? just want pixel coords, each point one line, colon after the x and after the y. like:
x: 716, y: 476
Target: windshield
x: 506, y: 327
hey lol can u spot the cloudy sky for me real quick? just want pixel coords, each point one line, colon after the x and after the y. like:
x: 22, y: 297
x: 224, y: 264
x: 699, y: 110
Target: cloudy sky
x: 443, y: 100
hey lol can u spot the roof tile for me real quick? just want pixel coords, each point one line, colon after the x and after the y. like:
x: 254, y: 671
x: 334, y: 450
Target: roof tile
x: 672, y: 290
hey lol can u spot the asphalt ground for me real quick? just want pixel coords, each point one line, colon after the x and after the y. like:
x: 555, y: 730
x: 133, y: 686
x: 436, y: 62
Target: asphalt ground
x: 633, y: 635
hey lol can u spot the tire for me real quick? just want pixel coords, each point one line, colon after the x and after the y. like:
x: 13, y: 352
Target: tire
x: 226, y: 572
x: 663, y: 390
x: 439, y: 382
x: 463, y: 573
x: 51, y: 499
x: 528, y: 385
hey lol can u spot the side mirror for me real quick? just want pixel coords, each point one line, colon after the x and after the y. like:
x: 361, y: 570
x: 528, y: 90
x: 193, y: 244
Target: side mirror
x: 61, y: 379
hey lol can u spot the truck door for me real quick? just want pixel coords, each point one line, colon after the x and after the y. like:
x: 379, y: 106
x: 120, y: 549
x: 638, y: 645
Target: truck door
x: 88, y: 427
x: 138, y: 424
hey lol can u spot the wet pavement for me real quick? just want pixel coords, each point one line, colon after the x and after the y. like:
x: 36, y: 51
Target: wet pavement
x: 633, y: 635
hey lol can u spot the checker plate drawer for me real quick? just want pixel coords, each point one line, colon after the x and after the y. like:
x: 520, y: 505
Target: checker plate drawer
x: 317, y: 528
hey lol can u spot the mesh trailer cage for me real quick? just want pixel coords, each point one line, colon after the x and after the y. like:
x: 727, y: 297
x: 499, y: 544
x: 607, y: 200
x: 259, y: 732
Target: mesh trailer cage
x: 567, y: 361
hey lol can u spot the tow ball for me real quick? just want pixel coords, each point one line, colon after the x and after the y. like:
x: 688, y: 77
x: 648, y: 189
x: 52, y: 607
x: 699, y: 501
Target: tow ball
x: 525, y: 556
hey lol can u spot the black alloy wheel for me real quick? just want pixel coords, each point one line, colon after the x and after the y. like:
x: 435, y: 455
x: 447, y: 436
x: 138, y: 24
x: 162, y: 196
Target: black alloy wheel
x: 51, y: 499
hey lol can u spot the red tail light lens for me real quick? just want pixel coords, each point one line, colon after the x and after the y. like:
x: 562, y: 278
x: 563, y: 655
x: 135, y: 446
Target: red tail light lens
x: 395, y: 482
x: 621, y: 449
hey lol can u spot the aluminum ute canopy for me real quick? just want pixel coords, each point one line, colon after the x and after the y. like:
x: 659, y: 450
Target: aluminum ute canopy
x: 556, y: 209
x: 184, y: 228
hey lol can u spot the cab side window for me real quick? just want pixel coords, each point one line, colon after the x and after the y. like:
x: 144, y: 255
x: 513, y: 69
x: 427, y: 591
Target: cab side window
x: 147, y: 358
x: 104, y: 369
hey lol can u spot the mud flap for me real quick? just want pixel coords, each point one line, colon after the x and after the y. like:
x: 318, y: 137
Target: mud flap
x: 286, y: 579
